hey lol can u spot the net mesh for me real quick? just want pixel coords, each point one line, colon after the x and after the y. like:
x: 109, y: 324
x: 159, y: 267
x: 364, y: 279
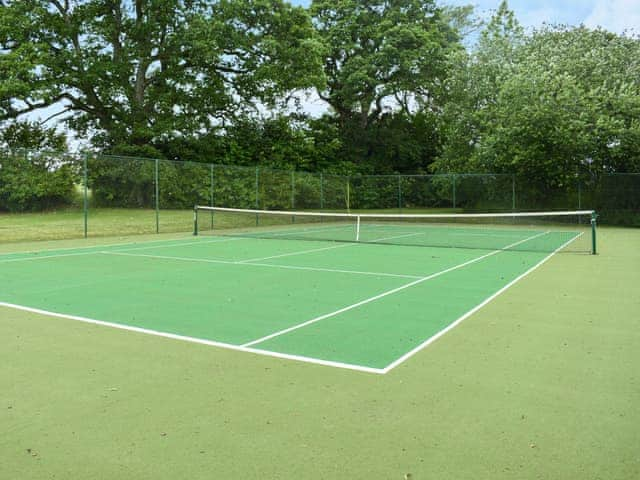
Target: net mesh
x: 537, y: 232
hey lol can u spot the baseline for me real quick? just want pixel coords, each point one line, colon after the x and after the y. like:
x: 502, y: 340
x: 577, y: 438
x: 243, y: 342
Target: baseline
x: 227, y: 346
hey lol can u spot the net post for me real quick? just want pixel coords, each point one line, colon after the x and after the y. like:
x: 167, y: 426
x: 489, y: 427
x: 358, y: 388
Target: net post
x: 157, y: 194
x: 195, y: 220
x: 358, y: 228
x: 85, y: 193
x: 594, y: 217
x: 293, y: 189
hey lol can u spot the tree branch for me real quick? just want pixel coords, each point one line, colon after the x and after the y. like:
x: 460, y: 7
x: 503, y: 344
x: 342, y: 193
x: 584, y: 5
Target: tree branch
x: 64, y: 10
x: 61, y: 112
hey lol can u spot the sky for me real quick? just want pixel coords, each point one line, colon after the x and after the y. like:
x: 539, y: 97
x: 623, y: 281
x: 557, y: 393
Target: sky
x: 614, y: 15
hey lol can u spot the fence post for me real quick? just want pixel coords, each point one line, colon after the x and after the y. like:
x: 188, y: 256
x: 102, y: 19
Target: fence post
x: 85, y: 195
x: 400, y: 193
x: 293, y: 190
x: 211, y: 186
x: 594, y: 216
x: 513, y: 192
x: 257, y: 192
x: 211, y: 191
x: 453, y: 182
x: 348, y: 195
x: 321, y: 191
x: 579, y: 194
x: 257, y: 188
x: 157, y: 194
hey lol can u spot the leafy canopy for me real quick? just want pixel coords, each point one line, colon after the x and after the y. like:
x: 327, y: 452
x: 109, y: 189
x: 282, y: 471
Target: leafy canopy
x: 561, y: 102
x: 380, y: 53
x: 138, y: 71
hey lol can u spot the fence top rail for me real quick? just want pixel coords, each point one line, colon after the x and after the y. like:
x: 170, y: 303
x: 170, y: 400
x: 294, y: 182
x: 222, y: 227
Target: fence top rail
x: 396, y: 215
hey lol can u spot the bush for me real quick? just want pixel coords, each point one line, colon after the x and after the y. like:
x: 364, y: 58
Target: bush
x: 34, y: 182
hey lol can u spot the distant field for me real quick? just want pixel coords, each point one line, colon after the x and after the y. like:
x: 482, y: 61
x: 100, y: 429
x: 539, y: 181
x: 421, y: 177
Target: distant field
x: 69, y: 223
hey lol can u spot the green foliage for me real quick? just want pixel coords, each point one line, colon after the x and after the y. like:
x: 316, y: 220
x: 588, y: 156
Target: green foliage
x: 31, y: 182
x: 135, y: 73
x: 280, y: 142
x: 121, y: 182
x: 32, y: 136
x: 378, y: 51
x: 556, y: 108
x: 472, y: 89
x: 35, y: 182
x: 384, y: 61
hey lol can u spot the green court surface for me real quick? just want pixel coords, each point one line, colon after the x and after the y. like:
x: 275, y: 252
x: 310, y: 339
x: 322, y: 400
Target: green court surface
x: 540, y: 383
x: 353, y: 305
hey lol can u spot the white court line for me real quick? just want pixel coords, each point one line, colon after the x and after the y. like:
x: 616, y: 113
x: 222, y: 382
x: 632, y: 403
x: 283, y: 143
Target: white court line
x: 198, y: 242
x: 98, y: 245
x: 333, y: 270
x: 97, y: 250
x: 28, y: 259
x: 387, y: 293
x: 267, y: 265
x: 173, y: 336
x: 342, y: 245
x: 299, y: 252
x: 451, y: 326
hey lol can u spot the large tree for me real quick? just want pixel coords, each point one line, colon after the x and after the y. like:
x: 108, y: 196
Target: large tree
x: 473, y: 87
x: 136, y: 72
x: 560, y: 102
x: 381, y: 54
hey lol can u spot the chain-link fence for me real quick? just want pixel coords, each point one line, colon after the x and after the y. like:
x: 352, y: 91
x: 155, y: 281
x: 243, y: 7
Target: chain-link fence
x: 52, y: 196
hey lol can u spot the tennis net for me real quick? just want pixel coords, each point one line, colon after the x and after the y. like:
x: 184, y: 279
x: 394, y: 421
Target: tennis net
x: 539, y: 231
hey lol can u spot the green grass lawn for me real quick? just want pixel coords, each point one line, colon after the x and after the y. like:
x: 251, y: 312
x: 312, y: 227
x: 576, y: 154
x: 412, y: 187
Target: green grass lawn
x: 69, y: 223
x: 541, y: 383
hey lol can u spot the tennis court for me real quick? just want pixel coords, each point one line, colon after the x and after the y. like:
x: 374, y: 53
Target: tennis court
x: 282, y: 289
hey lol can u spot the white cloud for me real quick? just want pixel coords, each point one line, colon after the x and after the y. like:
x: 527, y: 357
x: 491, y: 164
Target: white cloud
x: 615, y: 15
